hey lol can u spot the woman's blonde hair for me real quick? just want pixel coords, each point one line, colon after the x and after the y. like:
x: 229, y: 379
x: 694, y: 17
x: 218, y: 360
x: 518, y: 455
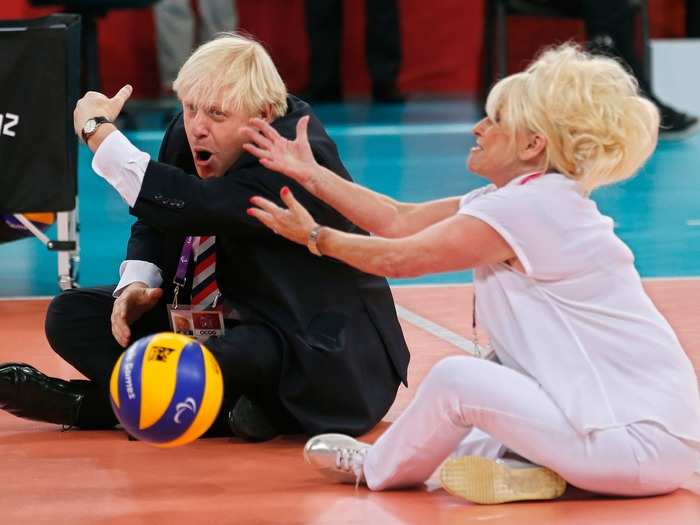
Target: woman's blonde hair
x: 599, y: 129
x: 236, y: 67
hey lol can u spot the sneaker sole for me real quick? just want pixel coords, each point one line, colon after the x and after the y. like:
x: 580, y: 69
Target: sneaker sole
x: 485, y: 481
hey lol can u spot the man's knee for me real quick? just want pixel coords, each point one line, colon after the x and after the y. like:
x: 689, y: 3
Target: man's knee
x: 75, y: 313
x: 58, y: 314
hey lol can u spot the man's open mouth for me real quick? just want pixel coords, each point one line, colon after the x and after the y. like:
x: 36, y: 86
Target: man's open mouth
x: 203, y: 155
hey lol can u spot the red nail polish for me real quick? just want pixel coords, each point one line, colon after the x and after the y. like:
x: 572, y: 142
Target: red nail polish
x: 285, y: 190
x: 249, y: 211
x: 251, y: 200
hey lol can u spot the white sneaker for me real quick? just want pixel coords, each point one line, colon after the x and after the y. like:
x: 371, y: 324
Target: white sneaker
x: 337, y: 456
x: 482, y: 480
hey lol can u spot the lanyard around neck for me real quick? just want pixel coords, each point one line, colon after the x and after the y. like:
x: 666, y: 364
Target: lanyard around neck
x: 182, y: 264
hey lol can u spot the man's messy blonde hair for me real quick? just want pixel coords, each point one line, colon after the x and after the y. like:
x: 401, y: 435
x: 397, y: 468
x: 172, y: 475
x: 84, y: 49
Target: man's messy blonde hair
x: 599, y: 129
x: 236, y: 67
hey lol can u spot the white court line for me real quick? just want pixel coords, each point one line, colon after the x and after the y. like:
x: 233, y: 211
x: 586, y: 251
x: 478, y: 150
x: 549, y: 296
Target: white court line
x: 693, y: 222
x: 435, y: 329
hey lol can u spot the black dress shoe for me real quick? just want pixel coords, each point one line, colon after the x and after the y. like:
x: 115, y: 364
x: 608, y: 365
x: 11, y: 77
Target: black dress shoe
x: 27, y: 393
x: 248, y: 422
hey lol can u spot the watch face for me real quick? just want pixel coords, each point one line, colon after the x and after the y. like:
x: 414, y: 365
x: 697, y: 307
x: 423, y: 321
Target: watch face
x: 90, y: 126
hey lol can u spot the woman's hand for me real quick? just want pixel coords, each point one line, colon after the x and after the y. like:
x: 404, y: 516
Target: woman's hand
x: 293, y: 223
x: 291, y: 158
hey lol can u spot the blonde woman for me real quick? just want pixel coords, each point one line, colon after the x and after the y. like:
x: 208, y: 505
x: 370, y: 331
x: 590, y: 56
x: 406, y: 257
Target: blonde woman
x: 590, y: 381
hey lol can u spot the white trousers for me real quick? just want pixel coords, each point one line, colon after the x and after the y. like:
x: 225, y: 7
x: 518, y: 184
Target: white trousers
x: 462, y: 393
x: 176, y: 30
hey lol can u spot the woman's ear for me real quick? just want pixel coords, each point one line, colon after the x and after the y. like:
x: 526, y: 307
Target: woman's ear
x: 534, y: 146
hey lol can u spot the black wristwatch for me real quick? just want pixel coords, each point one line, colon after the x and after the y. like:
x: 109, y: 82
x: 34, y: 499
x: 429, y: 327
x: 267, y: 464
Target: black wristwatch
x: 91, y: 126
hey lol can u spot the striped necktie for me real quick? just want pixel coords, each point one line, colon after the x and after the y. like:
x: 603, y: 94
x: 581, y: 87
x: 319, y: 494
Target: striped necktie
x: 204, y: 286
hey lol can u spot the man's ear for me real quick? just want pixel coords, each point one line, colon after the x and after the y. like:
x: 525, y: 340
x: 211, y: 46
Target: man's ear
x: 266, y: 113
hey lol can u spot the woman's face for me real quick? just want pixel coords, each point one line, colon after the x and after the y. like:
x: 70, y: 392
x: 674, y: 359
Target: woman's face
x: 496, y: 156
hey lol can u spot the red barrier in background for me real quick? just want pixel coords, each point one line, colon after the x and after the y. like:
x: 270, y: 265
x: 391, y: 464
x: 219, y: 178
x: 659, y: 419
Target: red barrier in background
x: 442, y: 42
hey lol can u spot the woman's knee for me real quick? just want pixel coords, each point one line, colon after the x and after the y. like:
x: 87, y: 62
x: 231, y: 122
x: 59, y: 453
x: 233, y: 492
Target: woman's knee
x: 456, y: 373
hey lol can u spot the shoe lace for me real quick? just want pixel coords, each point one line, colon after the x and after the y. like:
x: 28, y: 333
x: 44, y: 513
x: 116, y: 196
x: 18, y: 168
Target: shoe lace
x: 351, y: 460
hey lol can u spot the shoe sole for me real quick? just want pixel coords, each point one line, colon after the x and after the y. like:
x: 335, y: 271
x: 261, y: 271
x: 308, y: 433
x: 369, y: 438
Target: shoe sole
x: 487, y: 482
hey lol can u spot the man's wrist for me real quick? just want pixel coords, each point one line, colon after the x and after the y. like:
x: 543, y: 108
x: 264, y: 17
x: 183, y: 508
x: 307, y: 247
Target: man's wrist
x: 95, y: 140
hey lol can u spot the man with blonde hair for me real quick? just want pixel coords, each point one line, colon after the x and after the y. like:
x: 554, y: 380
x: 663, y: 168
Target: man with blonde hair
x: 308, y: 344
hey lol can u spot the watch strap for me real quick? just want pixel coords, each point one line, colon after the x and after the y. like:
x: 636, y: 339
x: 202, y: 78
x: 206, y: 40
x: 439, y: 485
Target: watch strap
x: 98, y: 122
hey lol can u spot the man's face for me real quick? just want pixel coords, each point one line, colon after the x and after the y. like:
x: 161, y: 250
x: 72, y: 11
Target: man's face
x: 214, y: 137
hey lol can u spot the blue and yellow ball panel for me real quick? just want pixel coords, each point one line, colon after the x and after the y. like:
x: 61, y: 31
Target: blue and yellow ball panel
x: 166, y: 389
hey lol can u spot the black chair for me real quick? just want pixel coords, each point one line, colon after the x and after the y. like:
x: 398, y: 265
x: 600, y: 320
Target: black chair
x: 90, y: 11
x: 496, y: 33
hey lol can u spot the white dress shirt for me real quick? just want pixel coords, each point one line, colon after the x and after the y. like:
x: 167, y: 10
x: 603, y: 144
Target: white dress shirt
x: 123, y: 166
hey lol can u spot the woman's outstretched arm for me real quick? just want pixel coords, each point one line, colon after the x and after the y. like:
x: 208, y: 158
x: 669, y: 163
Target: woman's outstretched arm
x: 458, y: 242
x: 368, y: 209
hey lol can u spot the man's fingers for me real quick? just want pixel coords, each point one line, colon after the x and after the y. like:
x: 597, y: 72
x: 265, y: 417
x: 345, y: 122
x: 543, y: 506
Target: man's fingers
x: 154, y: 294
x: 121, y: 337
x: 120, y: 328
x: 123, y: 95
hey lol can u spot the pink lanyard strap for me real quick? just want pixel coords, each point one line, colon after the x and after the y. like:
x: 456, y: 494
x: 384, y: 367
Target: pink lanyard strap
x: 530, y: 177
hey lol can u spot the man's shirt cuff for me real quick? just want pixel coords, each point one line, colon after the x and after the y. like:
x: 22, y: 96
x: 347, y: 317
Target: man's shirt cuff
x: 132, y: 271
x: 122, y: 165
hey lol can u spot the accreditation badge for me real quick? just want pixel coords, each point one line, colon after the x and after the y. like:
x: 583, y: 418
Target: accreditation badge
x: 196, y: 321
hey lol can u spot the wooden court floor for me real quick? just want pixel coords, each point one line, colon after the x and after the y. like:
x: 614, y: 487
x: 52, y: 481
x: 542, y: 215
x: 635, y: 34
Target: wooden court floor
x: 77, y: 477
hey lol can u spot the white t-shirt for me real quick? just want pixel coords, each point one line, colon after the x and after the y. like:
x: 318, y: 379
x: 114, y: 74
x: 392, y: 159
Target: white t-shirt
x: 578, y: 320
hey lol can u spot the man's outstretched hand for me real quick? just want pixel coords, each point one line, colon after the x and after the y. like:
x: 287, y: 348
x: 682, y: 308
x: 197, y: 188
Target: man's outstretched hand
x: 134, y: 301
x: 94, y: 104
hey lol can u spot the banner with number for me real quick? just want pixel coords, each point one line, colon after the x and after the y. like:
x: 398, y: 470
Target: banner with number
x: 39, y: 87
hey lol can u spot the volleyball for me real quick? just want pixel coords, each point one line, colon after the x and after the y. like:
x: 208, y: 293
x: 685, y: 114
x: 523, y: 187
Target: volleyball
x: 166, y: 389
